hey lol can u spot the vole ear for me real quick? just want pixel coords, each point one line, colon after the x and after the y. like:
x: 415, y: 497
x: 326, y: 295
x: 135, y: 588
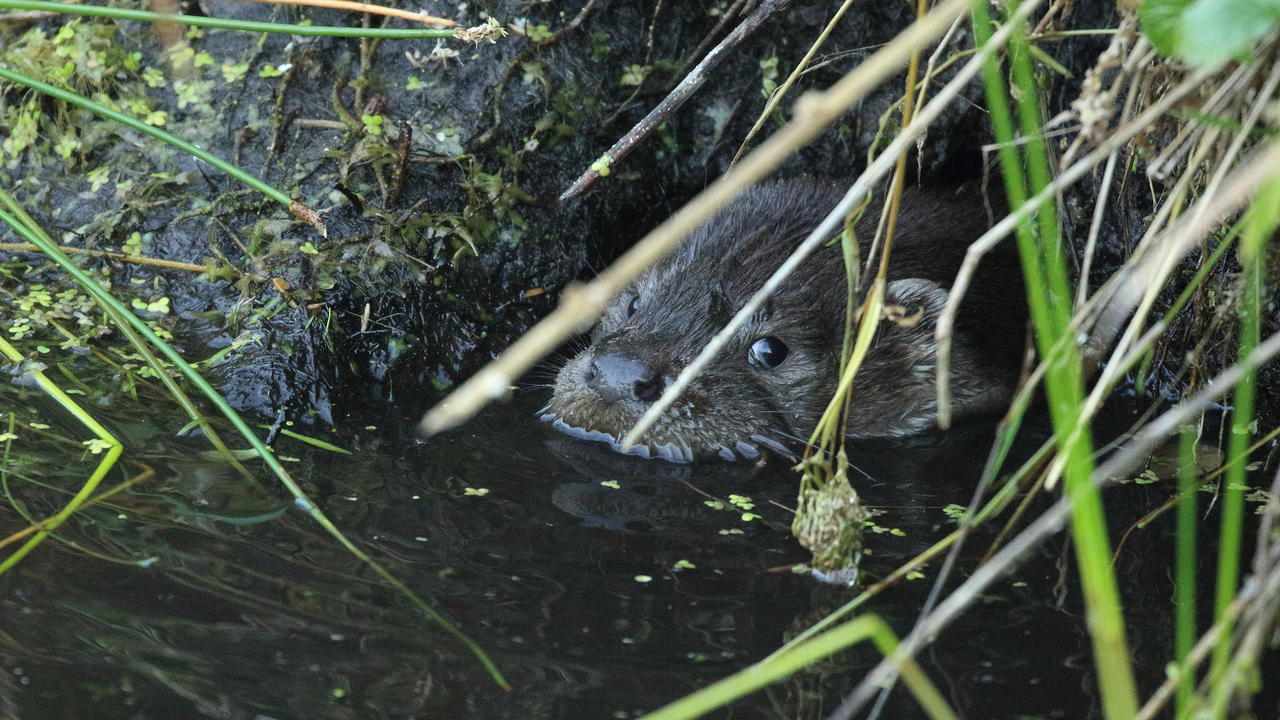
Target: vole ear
x: 914, y: 302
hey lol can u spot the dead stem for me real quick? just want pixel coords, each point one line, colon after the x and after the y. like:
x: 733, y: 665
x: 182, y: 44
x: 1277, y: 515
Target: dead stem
x: 1257, y: 598
x: 1050, y: 523
x: 366, y: 8
x: 776, y: 96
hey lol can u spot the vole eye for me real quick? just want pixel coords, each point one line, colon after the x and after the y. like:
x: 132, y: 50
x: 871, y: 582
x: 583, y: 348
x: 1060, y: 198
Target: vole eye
x: 633, y: 306
x: 767, y: 353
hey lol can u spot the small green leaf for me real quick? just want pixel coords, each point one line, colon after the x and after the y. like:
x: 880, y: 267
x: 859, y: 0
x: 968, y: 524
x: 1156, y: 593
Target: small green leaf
x: 98, y: 177
x: 234, y: 73
x: 601, y: 165
x: 96, y: 445
x: 153, y: 77
x: 538, y: 33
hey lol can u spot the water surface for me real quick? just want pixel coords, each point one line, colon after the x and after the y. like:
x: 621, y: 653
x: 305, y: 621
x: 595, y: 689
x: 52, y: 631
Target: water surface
x: 603, y: 586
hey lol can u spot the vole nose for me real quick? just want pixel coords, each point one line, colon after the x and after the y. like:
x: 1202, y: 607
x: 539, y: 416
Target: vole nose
x: 616, y: 377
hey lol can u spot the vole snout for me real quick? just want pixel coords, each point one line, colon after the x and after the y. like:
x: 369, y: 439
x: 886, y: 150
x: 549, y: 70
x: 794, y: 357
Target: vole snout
x: 618, y: 378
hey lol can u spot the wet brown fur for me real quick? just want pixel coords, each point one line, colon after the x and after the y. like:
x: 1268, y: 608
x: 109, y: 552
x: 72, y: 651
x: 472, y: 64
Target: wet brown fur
x: 733, y: 407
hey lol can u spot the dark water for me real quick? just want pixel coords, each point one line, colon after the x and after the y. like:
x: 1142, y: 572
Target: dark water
x: 225, y: 601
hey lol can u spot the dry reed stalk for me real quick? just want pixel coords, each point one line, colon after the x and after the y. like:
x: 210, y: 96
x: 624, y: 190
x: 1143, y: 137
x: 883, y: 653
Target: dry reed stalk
x: 109, y: 255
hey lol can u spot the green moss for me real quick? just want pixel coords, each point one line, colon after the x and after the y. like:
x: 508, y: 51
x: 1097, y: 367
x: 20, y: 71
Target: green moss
x: 84, y: 57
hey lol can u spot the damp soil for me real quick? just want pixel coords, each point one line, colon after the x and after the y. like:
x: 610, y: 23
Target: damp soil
x: 601, y: 585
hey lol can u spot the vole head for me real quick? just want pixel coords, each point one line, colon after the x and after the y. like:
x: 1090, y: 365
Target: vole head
x: 769, y: 385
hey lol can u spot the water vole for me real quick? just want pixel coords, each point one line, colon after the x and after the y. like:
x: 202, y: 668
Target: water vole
x: 770, y: 384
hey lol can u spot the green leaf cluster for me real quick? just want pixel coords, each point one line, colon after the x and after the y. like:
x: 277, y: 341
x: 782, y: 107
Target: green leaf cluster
x: 81, y: 56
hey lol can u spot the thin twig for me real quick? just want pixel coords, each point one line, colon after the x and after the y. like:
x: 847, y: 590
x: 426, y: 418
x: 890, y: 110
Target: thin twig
x: 27, y: 17
x: 1176, y: 242
x: 1095, y: 225
x: 1197, y: 655
x: 1153, y: 267
x: 1161, y: 166
x: 776, y: 96
x: 367, y: 8
x: 931, y: 69
x: 1140, y: 281
x: 1262, y: 587
x: 676, y: 97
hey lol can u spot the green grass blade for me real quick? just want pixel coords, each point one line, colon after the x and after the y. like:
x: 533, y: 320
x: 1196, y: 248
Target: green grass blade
x: 1262, y: 219
x: 1185, y: 572
x: 175, y: 390
x: 1048, y: 295
x: 866, y: 627
x: 106, y: 439
x: 314, y: 442
x: 224, y: 23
